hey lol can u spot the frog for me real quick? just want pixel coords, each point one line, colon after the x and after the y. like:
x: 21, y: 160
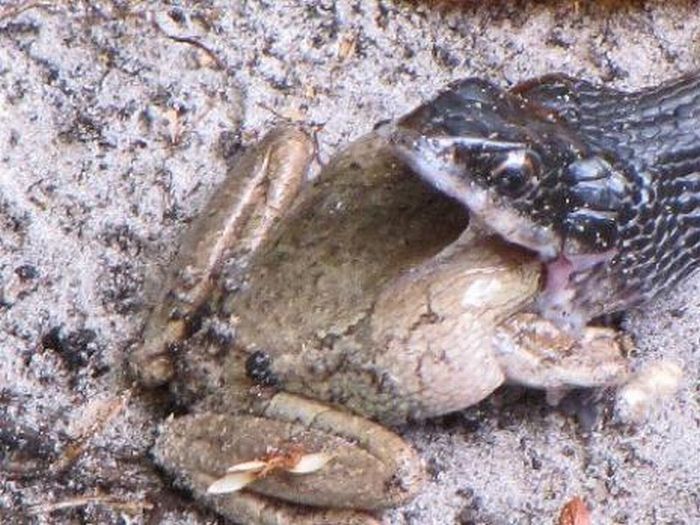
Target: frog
x: 353, y: 302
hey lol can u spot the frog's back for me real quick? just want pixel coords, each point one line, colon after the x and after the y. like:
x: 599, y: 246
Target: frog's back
x: 304, y: 313
x: 365, y: 220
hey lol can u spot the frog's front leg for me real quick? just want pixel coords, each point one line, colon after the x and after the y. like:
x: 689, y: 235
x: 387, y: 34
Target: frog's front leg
x: 258, y: 189
x: 535, y: 352
x: 366, y: 467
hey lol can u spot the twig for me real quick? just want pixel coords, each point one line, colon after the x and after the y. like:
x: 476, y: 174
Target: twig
x: 110, y: 411
x: 200, y: 45
x: 192, y: 41
x: 81, y: 501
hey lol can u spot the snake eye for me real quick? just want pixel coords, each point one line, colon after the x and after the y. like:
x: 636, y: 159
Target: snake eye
x: 514, y: 171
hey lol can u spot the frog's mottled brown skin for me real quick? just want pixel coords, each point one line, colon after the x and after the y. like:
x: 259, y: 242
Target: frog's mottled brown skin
x: 233, y: 226
x: 368, y: 298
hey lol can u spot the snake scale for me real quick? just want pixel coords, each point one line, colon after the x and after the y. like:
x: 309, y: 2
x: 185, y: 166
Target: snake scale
x: 603, y: 184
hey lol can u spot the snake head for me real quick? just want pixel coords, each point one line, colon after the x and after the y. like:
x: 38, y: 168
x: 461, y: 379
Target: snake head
x: 515, y: 164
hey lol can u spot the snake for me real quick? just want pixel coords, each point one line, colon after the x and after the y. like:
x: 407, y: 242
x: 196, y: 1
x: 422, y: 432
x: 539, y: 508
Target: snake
x: 602, y: 184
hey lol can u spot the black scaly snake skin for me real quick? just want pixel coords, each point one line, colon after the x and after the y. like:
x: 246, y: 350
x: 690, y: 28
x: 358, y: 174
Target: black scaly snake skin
x: 616, y: 184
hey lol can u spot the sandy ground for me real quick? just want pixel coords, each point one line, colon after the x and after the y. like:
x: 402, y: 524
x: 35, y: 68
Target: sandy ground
x: 117, y: 120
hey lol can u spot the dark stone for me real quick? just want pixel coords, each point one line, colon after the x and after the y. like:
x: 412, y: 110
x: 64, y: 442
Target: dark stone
x: 257, y: 367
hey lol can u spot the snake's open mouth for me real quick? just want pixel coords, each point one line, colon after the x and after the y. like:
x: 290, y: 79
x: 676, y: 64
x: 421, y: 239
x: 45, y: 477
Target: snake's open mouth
x: 430, y: 159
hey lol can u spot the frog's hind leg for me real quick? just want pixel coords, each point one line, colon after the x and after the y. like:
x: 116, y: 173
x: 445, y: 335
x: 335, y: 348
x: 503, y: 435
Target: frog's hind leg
x: 259, y: 188
x: 249, y: 508
x: 366, y: 466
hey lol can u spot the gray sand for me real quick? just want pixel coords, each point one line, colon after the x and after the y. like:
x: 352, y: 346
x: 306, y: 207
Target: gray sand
x: 117, y: 118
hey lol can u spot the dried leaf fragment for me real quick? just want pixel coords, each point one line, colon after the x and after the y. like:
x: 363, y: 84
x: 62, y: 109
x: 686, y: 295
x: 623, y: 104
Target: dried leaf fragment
x: 347, y: 47
x: 575, y: 512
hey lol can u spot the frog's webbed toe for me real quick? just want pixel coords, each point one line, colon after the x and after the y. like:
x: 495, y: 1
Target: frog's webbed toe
x: 366, y: 467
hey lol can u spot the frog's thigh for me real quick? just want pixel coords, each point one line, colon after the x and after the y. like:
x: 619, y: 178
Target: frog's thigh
x: 259, y: 188
x: 534, y: 352
x: 370, y: 467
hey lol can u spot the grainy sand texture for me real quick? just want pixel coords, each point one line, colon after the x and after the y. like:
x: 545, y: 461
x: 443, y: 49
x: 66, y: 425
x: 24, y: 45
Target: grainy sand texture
x: 117, y: 122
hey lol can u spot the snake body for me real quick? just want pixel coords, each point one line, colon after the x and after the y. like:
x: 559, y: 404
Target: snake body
x: 603, y: 184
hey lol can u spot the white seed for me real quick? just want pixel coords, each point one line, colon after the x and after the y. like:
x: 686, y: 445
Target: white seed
x: 231, y: 483
x: 310, y: 463
x: 248, y: 466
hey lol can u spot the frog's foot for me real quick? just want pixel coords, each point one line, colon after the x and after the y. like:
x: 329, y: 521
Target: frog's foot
x: 259, y: 188
x: 647, y: 390
x: 535, y: 352
x: 355, y: 464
